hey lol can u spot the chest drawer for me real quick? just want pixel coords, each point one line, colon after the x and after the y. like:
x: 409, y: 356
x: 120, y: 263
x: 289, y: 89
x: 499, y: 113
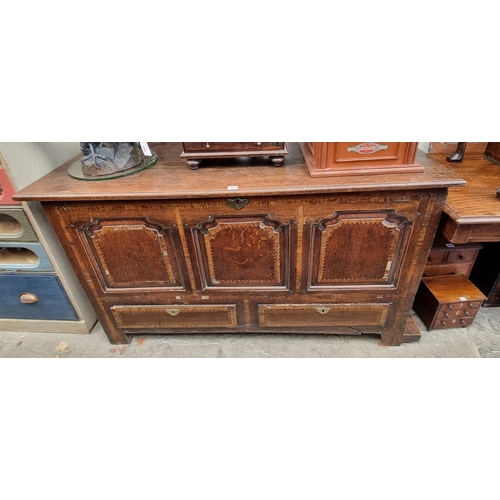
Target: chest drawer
x: 296, y: 315
x: 34, y: 296
x: 446, y: 258
x: 448, y: 269
x: 441, y: 324
x: 462, y: 255
x: 15, y: 226
x: 461, y: 306
x: 437, y: 256
x: 456, y: 313
x: 132, y: 317
x: 24, y: 257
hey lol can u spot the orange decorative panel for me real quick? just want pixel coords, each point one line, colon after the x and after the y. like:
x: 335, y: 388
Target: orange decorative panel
x: 360, y: 158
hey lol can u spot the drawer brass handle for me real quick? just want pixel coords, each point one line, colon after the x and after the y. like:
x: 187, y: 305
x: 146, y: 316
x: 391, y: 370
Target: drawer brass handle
x: 323, y: 310
x: 237, y: 203
x: 173, y: 312
x: 28, y: 298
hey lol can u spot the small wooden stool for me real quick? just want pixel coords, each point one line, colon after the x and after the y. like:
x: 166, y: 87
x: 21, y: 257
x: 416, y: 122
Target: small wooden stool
x: 447, y: 302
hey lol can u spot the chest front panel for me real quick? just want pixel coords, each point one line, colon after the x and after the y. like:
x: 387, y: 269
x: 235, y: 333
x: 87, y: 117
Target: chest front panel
x: 242, y: 251
x: 354, y: 248
x: 294, y: 243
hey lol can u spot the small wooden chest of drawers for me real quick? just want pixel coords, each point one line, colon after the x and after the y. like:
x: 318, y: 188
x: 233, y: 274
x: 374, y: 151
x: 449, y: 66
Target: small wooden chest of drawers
x: 447, y: 259
x: 447, y: 302
x: 194, y: 152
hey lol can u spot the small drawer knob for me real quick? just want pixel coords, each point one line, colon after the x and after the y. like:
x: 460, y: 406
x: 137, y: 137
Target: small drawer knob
x: 461, y: 257
x: 28, y: 298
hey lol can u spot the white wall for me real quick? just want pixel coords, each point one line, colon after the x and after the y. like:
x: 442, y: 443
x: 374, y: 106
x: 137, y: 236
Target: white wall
x: 28, y: 161
x: 424, y: 146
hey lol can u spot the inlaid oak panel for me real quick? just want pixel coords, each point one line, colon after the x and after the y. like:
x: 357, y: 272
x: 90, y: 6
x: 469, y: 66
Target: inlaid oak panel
x: 131, y: 253
x: 242, y: 251
x: 358, y: 248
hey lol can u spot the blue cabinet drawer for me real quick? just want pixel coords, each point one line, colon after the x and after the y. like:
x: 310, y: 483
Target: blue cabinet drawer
x: 15, y: 225
x: 24, y: 257
x: 34, y: 296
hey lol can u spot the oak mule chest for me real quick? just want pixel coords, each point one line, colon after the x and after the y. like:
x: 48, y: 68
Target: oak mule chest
x: 228, y: 249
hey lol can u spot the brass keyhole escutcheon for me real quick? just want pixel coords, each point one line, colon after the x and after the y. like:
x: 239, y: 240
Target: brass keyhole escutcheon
x: 237, y: 203
x: 323, y: 310
x: 173, y: 312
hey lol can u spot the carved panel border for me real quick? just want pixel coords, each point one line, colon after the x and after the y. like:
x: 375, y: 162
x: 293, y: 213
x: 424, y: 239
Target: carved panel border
x: 327, y: 230
x: 249, y: 243
x: 93, y: 234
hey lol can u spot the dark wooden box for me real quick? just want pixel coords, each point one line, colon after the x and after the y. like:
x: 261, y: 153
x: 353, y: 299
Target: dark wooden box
x: 447, y: 302
x: 360, y: 158
x: 194, y: 152
x: 448, y: 259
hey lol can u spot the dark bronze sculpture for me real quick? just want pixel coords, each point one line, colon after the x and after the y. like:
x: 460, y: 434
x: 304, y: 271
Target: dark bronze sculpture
x: 458, y: 155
